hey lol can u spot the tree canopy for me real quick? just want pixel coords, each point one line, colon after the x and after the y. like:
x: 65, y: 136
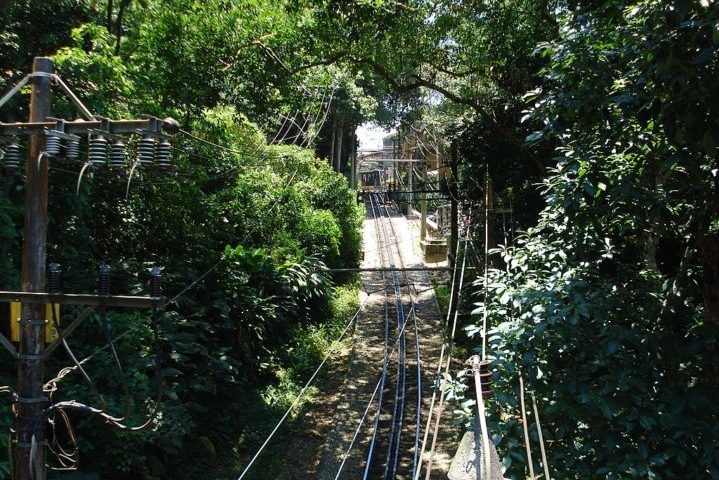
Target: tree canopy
x: 597, y: 122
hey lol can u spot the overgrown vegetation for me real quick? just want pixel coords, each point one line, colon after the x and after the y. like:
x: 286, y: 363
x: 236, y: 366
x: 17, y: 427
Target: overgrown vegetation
x: 607, y: 304
x: 244, y: 232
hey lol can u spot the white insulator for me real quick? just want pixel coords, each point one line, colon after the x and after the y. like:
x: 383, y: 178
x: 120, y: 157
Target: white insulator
x: 146, y: 151
x: 12, y: 157
x: 163, y: 153
x: 117, y: 155
x: 52, y: 144
x: 97, y: 155
x: 72, y: 149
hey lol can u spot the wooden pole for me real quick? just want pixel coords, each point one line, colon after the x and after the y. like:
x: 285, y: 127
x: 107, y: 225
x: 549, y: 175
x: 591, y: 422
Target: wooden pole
x: 454, y: 210
x: 423, y: 205
x: 489, y: 239
x: 541, y: 439
x: 31, y: 400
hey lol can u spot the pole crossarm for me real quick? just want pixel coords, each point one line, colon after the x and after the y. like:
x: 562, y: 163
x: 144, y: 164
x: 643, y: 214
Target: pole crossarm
x: 81, y: 127
x: 91, y: 302
x: 83, y: 299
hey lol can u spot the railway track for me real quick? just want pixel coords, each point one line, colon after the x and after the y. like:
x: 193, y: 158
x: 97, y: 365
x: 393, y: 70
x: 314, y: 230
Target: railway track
x: 378, y: 425
x: 394, y: 446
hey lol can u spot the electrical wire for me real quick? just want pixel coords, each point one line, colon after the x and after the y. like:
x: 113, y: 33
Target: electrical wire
x: 117, y: 362
x: 5, y: 390
x: 300, y: 394
x: 212, y: 144
x: 311, y: 139
x: 449, y: 347
x: 279, y: 130
x: 67, y: 459
x: 359, y: 427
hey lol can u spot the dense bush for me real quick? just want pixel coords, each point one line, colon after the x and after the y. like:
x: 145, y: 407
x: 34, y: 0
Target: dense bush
x: 242, y: 232
x: 605, y: 307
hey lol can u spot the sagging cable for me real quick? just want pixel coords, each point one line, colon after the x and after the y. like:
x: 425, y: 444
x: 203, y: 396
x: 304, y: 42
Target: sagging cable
x: 541, y: 439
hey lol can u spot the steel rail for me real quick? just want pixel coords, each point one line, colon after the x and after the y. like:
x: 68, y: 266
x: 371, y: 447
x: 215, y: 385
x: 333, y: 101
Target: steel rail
x: 418, y: 424
x: 401, y: 380
x: 385, y: 364
x: 417, y: 357
x: 388, y: 241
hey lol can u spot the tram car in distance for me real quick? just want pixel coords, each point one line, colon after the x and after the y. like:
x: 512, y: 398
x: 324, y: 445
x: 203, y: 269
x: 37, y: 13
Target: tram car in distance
x: 371, y: 178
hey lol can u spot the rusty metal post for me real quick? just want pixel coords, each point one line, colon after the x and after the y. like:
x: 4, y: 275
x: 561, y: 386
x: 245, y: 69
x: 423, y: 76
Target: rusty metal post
x: 31, y: 400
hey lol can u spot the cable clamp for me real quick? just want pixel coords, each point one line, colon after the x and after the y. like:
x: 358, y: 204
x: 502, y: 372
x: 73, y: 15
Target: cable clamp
x: 41, y: 75
x: 31, y: 357
x: 33, y: 323
x: 29, y: 445
x: 32, y: 399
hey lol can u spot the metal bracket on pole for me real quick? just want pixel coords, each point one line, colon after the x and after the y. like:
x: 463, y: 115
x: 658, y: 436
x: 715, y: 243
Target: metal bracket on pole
x: 68, y: 331
x: 8, y: 345
x: 14, y: 90
x: 73, y: 97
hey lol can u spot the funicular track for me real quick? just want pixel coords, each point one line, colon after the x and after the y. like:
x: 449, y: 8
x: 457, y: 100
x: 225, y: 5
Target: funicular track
x: 379, y: 425
x: 393, y: 449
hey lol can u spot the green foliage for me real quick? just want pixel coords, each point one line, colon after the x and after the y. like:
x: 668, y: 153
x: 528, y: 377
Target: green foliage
x: 602, y: 307
x: 345, y: 302
x: 26, y: 35
x: 101, y: 79
x: 9, y: 242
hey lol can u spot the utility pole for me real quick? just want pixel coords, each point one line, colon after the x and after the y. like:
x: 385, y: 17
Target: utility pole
x: 31, y: 400
x: 423, y: 205
x: 489, y: 241
x: 28, y: 448
x: 454, y: 213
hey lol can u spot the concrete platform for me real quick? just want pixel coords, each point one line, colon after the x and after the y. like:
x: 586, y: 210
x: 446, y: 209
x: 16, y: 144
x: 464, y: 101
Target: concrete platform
x: 434, y: 249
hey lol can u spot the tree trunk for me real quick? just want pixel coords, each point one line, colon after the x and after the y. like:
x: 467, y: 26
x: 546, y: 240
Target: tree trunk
x: 338, y: 150
x: 709, y: 256
x: 332, y: 142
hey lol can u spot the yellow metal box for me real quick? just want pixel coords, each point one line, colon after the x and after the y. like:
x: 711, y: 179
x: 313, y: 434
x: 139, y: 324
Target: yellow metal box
x: 50, y: 331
